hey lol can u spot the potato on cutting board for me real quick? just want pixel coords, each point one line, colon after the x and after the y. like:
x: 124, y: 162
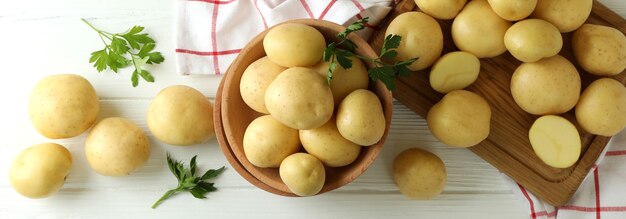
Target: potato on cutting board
x: 601, y: 109
x: 533, y: 39
x: 513, y: 10
x: 454, y: 71
x: 566, y: 15
x: 479, y: 30
x: 600, y: 50
x: 421, y: 37
x: 555, y: 141
x: 441, y: 9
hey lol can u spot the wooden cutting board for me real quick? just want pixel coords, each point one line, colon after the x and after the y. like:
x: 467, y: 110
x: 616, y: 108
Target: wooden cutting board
x: 507, y: 147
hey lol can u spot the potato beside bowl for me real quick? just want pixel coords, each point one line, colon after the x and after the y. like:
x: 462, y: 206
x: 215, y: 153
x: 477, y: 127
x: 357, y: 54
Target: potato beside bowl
x: 232, y: 116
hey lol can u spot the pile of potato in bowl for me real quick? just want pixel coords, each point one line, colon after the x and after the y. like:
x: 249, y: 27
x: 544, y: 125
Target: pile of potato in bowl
x: 276, y: 115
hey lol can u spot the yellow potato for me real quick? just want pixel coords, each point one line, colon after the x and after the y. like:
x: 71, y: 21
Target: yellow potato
x: 601, y: 109
x: 300, y: 98
x: 555, y: 141
x: 454, y: 71
x: 181, y: 115
x: 360, y: 118
x: 479, y: 30
x: 600, y: 50
x: 421, y: 37
x: 40, y: 171
x: 513, y: 10
x: 327, y: 145
x: 116, y: 147
x: 294, y: 44
x: 419, y: 174
x: 303, y: 174
x: 461, y: 119
x: 566, y: 15
x: 441, y: 9
x: 63, y: 106
x: 255, y: 80
x: 345, y: 81
x: 533, y: 39
x: 267, y: 142
x: 548, y: 86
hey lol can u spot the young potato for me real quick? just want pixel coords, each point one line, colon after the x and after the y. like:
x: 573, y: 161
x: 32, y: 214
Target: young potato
x: 513, y: 10
x: 421, y: 38
x: 461, y: 119
x: 181, y: 115
x: 601, y: 109
x: 327, y: 145
x: 40, y: 171
x: 116, y: 147
x: 419, y: 174
x: 360, y: 118
x: 454, y: 71
x: 548, y: 86
x: 255, y: 80
x: 566, y: 15
x: 555, y: 141
x: 479, y: 30
x: 600, y: 50
x: 441, y: 9
x: 267, y: 142
x: 303, y: 174
x: 294, y: 44
x: 533, y: 39
x: 63, y: 106
x: 300, y: 98
x: 345, y: 80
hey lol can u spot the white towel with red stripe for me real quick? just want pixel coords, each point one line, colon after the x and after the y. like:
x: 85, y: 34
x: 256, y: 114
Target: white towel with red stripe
x: 210, y: 33
x: 602, y: 194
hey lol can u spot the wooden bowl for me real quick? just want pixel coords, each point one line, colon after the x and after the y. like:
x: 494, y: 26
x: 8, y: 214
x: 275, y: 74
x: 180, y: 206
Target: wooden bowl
x: 232, y: 116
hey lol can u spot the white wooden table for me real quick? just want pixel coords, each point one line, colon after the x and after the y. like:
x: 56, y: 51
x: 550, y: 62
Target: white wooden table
x: 40, y: 38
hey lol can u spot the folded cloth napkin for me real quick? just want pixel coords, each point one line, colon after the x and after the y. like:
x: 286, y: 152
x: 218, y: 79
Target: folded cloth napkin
x: 602, y: 193
x: 210, y: 33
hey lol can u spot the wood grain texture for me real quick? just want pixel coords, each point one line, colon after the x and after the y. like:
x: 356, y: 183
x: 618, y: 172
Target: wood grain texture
x: 507, y: 147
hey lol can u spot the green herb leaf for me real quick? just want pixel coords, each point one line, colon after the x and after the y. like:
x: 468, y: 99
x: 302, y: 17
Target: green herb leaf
x: 343, y: 58
x: 391, y: 42
x: 356, y: 26
x: 100, y: 59
x: 331, y: 70
x: 118, y: 45
x: 135, y: 78
x: 210, y: 174
x: 382, y: 73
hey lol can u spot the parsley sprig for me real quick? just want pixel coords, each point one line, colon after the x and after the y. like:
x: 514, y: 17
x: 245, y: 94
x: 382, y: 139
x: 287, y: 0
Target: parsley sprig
x: 124, y: 49
x: 187, y: 181
x: 339, y: 53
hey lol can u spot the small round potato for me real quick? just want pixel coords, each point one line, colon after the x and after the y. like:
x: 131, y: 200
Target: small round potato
x: 181, y: 115
x: 267, y: 142
x: 421, y: 38
x: 255, y: 80
x: 548, y: 86
x: 513, y: 10
x: 303, y: 174
x: 441, y: 9
x: 479, y: 30
x: 555, y: 141
x: 327, y: 144
x: 63, y: 106
x: 40, y: 171
x: 600, y: 50
x: 602, y: 107
x: 293, y: 44
x: 461, y: 119
x: 360, y: 118
x: 419, y: 174
x: 566, y: 15
x: 116, y: 147
x: 300, y: 98
x: 345, y: 81
x: 454, y: 71
x: 533, y: 39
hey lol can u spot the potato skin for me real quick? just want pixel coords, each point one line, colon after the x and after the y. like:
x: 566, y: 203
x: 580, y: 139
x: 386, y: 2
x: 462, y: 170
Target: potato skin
x: 548, y: 86
x: 116, y: 147
x: 294, y: 44
x: 600, y: 50
x: 601, y: 109
x: 479, y: 30
x: 267, y: 142
x: 460, y: 119
x: 40, y: 171
x: 419, y: 174
x: 421, y: 36
x: 360, y: 118
x: 345, y: 80
x: 255, y: 80
x: 181, y: 115
x: 327, y: 145
x: 303, y: 174
x: 513, y: 10
x: 533, y: 39
x: 63, y: 106
x: 441, y: 9
x: 566, y: 15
